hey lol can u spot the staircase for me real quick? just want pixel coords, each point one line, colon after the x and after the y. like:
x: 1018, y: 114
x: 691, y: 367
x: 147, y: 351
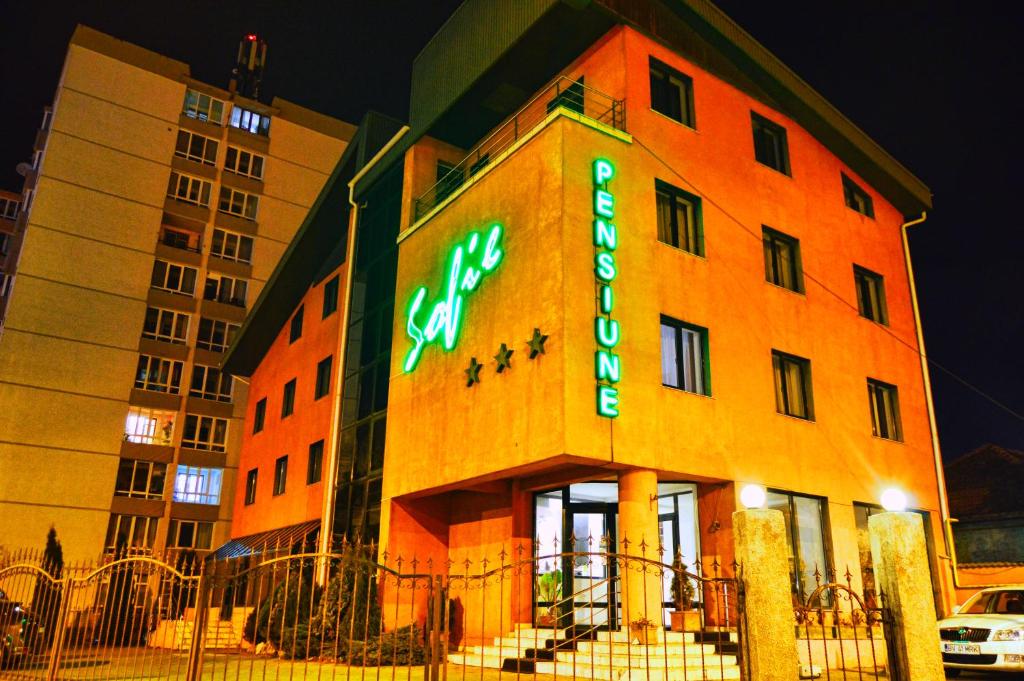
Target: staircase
x: 220, y: 635
x: 608, y: 655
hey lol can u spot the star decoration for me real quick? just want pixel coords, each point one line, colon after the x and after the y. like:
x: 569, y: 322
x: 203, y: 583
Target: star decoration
x: 504, y: 358
x: 473, y: 372
x: 536, y: 343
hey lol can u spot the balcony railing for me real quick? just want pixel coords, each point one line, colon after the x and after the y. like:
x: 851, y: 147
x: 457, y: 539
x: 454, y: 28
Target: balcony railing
x: 564, y: 92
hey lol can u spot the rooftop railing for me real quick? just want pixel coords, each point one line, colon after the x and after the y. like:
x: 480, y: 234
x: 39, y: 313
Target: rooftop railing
x: 565, y: 93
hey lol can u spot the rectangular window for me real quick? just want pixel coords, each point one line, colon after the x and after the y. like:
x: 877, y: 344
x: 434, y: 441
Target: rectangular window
x: 225, y: 289
x: 330, y: 298
x: 314, y: 469
x: 793, y: 396
x: 215, y: 335
x: 130, y: 534
x: 182, y: 240
x: 448, y: 178
x: 234, y: 202
x: 6, y: 282
x: 189, y: 189
x: 672, y: 93
x: 280, y: 475
x: 169, y: 276
x: 770, y: 146
x: 190, y: 534
x: 244, y: 119
x: 679, y: 218
x: 870, y: 295
x: 194, y: 485
x: 205, y: 432
x: 885, y: 410
x: 231, y: 246
x: 782, y: 265
x: 684, y: 352
x: 806, y: 539
x: 856, y: 198
x: 203, y: 107
x: 158, y: 374
x: 140, y: 479
x: 196, y: 147
x: 210, y: 383
x: 8, y: 208
x: 295, y: 330
x: 149, y: 426
x: 323, y: 378
x: 250, y: 487
x: 288, y: 399
x: 165, y: 325
x: 259, y: 415
x: 242, y: 162
x: 5, y: 239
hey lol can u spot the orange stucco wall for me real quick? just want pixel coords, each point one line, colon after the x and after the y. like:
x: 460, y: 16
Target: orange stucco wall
x: 292, y: 435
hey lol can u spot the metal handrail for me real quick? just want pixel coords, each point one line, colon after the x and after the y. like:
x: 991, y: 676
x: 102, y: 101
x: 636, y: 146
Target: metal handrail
x: 572, y: 598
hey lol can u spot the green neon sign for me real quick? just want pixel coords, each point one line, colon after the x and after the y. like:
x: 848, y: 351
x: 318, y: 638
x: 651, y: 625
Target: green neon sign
x: 468, y: 262
x: 607, y: 365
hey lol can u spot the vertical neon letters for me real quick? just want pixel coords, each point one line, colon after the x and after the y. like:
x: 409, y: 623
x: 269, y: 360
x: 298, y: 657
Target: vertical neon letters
x: 607, y: 365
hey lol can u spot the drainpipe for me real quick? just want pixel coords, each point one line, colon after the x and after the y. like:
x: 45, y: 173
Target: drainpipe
x: 331, y: 471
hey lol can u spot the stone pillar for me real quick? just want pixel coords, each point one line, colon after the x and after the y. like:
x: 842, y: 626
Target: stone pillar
x: 900, y: 561
x: 638, y: 524
x: 760, y: 539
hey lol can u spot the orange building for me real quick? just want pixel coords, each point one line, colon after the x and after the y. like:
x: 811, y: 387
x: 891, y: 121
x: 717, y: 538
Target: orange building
x: 629, y: 278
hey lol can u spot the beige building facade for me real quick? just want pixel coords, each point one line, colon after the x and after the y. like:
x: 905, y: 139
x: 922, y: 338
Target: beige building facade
x: 156, y: 210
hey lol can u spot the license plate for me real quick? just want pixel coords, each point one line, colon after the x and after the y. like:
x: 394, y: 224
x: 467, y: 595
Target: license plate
x: 961, y: 648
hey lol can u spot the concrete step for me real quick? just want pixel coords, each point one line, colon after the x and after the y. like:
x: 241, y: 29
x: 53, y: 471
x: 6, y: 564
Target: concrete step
x: 652, y: 661
x: 611, y: 673
x: 622, y: 649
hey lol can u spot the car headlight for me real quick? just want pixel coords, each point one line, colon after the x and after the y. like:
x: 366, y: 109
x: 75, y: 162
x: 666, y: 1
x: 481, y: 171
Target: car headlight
x: 1008, y: 635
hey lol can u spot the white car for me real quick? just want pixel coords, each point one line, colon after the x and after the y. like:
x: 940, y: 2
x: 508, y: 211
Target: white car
x: 986, y: 633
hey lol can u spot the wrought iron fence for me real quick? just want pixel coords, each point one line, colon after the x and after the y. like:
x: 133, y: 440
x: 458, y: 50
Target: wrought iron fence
x: 563, y: 93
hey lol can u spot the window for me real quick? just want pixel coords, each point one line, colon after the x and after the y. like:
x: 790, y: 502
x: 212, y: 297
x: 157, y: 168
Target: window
x: 158, y: 374
x: 165, y: 325
x: 672, y: 93
x: 234, y: 202
x: 193, y: 485
x: 449, y: 178
x: 215, y: 335
x: 870, y: 295
x: 168, y: 276
x: 288, y: 399
x: 210, y: 383
x: 793, y: 385
x: 244, y: 119
x: 250, y: 487
x: 175, y: 238
x: 805, y: 536
x: 6, y: 281
x: 196, y: 147
x: 242, y: 162
x: 684, y: 351
x: 231, y: 246
x: 295, y: 331
x: 314, y: 468
x: 149, y: 426
x: 770, y: 146
x: 856, y: 198
x: 140, y: 479
x: 679, y: 218
x: 128, y: 532
x: 203, y: 107
x: 189, y: 534
x: 259, y: 416
x: 225, y: 289
x: 4, y: 241
x: 782, y: 265
x: 280, y: 475
x: 8, y: 208
x: 189, y: 189
x: 330, y: 298
x: 323, y: 378
x: 205, y: 432
x: 885, y: 410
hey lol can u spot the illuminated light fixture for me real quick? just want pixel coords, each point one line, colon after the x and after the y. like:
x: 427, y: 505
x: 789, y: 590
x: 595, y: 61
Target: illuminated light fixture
x: 251, y: 37
x: 894, y: 499
x: 753, y: 496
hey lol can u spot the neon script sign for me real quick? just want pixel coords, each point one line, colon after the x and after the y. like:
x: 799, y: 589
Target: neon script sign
x: 607, y: 365
x: 467, y: 264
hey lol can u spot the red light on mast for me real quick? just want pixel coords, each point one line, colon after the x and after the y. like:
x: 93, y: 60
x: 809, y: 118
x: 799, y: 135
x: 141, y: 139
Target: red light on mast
x: 251, y: 37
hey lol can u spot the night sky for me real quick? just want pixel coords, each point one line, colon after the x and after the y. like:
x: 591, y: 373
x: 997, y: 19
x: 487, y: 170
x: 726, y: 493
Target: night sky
x: 936, y: 83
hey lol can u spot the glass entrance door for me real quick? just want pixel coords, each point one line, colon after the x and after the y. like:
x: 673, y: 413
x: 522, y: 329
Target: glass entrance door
x: 589, y: 574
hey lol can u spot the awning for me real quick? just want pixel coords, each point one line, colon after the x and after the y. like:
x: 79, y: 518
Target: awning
x: 280, y: 540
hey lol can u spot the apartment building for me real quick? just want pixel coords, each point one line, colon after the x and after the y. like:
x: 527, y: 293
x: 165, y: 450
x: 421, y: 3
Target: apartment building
x: 10, y: 243
x: 594, y: 295
x: 157, y: 209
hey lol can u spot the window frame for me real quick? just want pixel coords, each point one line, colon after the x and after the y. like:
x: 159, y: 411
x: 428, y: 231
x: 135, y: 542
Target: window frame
x: 295, y: 325
x: 227, y: 332
x: 197, y: 190
x: 254, y: 122
x: 857, y: 198
x: 165, y: 272
x: 251, y: 479
x: 684, y: 85
x: 151, y: 432
x: 233, y: 162
x: 259, y: 416
x: 679, y: 327
x: 322, y: 385
x: 176, y: 317
x: 203, y: 107
x: 315, y: 463
x: 280, y: 475
x: 893, y: 431
x: 114, y: 528
x: 331, y: 292
x: 770, y: 129
x: 207, y: 152
x: 863, y: 279
x: 770, y: 239
x: 783, y: 400
x: 248, y: 207
x: 227, y: 289
x: 199, y: 529
x: 150, y: 471
x: 288, y: 398
x: 225, y: 237
x: 203, y: 373
x: 796, y: 585
x: 675, y: 195
x: 171, y: 369
x: 213, y: 425
x: 203, y: 485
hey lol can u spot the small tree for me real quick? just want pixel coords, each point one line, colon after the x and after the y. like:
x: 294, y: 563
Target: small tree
x: 682, y: 587
x: 47, y: 594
